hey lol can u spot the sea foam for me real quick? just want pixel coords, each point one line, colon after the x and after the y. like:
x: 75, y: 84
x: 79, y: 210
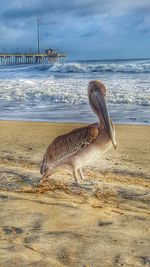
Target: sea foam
x: 71, y: 91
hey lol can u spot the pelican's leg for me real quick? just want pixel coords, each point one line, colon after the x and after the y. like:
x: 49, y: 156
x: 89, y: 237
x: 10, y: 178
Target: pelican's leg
x: 75, y: 175
x: 81, y: 174
x: 45, y: 175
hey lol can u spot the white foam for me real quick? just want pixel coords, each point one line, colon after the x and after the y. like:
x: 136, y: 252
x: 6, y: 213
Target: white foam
x: 72, y: 91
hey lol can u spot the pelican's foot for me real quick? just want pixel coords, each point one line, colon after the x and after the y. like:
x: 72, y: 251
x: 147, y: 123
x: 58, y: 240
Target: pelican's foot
x: 91, y: 182
x: 86, y: 187
x: 76, y: 184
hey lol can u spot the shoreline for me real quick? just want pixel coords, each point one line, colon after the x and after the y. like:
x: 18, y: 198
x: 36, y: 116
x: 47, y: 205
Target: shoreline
x: 74, y: 122
x: 103, y: 223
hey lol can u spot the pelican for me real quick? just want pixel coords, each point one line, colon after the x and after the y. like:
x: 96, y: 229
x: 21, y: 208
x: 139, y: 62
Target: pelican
x: 82, y: 145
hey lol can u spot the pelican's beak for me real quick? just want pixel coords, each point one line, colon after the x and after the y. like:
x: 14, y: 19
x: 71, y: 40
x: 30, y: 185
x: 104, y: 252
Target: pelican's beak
x: 102, y: 111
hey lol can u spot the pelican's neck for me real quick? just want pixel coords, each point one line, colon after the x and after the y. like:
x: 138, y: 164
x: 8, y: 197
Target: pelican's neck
x: 96, y: 112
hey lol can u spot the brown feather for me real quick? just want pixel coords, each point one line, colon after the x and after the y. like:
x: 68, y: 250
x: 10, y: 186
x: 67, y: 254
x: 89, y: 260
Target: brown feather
x: 65, y: 146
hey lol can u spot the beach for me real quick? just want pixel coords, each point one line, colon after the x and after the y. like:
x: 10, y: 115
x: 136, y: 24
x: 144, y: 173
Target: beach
x: 103, y: 223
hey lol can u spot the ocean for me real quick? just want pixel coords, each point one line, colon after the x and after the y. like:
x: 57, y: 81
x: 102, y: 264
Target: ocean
x: 58, y: 92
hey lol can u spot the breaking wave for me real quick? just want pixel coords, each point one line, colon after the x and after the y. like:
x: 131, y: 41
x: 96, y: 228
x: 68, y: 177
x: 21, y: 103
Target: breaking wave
x: 74, y: 67
x: 88, y: 68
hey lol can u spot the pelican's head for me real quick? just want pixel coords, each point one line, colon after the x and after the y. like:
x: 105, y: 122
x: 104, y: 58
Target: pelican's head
x: 97, y: 98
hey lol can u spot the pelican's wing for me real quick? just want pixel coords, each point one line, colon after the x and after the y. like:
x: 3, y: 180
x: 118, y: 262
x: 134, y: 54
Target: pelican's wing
x: 66, y: 146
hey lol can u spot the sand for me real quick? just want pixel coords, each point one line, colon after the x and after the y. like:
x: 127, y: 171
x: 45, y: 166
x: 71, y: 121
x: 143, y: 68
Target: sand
x: 103, y: 223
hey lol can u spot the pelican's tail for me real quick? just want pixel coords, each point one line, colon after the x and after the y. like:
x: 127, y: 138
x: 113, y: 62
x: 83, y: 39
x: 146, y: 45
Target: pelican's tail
x: 42, y: 168
x: 47, y: 164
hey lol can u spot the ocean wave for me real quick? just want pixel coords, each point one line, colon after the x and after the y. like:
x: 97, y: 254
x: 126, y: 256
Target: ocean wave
x: 105, y: 67
x: 71, y: 91
x: 74, y: 67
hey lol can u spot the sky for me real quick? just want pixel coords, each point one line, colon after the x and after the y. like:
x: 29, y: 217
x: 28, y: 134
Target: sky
x: 84, y: 29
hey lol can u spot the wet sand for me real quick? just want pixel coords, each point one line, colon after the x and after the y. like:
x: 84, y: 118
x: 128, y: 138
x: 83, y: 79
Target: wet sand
x: 104, y: 223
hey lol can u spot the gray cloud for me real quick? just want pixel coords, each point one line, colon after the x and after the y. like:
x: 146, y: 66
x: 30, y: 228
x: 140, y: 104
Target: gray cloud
x: 70, y: 24
x: 26, y: 8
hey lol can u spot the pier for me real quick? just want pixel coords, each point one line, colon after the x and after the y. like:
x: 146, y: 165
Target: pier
x: 48, y: 56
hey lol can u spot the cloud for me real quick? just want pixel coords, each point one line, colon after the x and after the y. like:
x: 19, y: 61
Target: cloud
x: 77, y: 26
x: 25, y: 8
x: 144, y: 25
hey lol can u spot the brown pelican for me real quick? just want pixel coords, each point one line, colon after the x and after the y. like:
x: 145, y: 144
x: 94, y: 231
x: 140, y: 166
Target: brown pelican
x: 82, y: 145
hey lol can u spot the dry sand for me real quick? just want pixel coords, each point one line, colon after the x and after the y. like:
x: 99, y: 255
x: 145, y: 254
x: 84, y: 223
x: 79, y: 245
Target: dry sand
x: 105, y: 223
